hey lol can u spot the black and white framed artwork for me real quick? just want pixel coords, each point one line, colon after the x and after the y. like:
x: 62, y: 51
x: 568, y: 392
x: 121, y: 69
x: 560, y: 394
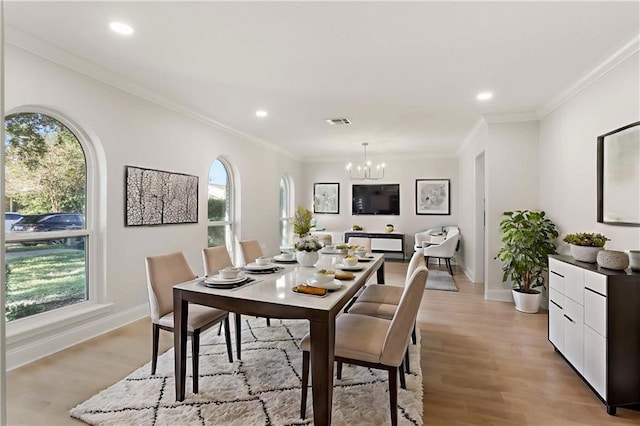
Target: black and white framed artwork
x: 326, y: 198
x: 433, y: 196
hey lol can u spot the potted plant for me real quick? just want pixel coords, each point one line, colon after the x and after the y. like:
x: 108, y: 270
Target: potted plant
x: 528, y: 240
x: 585, y: 246
x: 307, y: 250
x: 302, y: 222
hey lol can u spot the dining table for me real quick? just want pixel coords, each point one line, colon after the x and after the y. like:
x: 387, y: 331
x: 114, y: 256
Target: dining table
x: 272, y: 296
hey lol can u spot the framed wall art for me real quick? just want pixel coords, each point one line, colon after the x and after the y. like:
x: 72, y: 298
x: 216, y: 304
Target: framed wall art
x: 326, y: 198
x: 156, y: 197
x: 433, y: 196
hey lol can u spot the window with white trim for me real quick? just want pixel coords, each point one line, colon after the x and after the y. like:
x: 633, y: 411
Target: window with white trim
x: 46, y: 181
x: 220, y: 206
x: 285, y: 211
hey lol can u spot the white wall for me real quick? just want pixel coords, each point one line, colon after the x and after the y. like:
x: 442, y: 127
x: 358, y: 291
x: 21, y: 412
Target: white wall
x: 468, y: 217
x: 133, y: 131
x: 568, y: 176
x: 403, y: 171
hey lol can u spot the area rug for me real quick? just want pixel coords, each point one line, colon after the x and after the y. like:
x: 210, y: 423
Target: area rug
x: 261, y: 389
x: 440, y: 280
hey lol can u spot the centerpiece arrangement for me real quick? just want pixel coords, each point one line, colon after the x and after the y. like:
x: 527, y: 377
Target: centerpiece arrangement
x: 307, y: 245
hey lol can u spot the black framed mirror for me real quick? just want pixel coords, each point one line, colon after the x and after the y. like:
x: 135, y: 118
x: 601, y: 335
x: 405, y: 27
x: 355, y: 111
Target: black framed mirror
x: 619, y: 176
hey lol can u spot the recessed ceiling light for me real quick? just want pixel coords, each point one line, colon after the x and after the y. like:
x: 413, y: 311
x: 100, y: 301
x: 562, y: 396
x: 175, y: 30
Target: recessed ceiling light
x: 262, y: 113
x: 484, y: 96
x: 121, y: 28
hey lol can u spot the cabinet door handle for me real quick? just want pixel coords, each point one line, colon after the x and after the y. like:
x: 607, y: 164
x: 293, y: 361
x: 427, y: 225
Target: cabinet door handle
x: 555, y: 304
x: 565, y: 315
x: 593, y: 291
x: 555, y: 273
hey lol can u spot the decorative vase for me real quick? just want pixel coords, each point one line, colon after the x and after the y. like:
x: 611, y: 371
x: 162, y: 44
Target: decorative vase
x: 587, y: 254
x: 634, y: 260
x: 529, y: 303
x: 611, y: 259
x: 307, y: 258
x: 389, y: 228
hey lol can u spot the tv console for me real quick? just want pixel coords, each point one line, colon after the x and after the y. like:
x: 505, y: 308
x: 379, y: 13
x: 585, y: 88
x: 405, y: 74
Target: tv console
x: 381, y: 242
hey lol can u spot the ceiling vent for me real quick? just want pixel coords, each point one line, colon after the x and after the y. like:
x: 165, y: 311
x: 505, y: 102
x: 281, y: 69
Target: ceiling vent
x: 338, y: 121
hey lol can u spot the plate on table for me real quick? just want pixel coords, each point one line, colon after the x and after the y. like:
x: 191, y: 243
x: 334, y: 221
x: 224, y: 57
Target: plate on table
x: 329, y: 285
x: 255, y: 267
x: 217, y: 279
x: 278, y: 258
x: 348, y: 268
x: 367, y: 258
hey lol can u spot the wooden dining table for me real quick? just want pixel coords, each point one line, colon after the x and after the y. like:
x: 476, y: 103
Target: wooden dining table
x: 272, y: 296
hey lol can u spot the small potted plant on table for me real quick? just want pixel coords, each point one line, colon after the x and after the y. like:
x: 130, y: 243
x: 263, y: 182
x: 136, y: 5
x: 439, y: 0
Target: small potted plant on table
x: 585, y: 246
x: 528, y: 240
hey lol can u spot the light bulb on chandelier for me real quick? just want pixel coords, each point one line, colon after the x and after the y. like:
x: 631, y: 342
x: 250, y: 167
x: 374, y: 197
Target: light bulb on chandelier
x: 364, y: 171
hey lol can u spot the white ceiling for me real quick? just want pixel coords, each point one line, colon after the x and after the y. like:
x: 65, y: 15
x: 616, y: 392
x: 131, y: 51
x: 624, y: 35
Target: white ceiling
x: 406, y: 74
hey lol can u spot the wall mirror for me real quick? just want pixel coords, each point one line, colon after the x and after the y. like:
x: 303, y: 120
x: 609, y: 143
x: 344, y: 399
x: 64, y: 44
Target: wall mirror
x: 619, y: 176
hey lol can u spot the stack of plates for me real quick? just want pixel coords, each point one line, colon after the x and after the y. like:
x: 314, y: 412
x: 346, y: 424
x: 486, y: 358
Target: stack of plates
x: 216, y: 281
x: 280, y: 258
x: 329, y: 285
x: 348, y: 268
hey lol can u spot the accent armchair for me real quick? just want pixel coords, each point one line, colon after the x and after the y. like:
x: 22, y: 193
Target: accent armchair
x: 445, y: 249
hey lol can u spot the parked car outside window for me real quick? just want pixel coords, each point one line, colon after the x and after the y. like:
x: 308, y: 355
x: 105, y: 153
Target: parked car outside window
x: 9, y: 219
x: 47, y: 222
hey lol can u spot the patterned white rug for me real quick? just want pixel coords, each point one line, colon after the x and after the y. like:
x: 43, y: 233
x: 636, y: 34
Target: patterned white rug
x: 262, y: 389
x: 440, y: 280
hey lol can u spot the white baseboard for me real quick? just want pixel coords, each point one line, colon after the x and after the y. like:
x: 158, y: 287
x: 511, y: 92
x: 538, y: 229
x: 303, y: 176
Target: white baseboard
x: 57, y: 341
x: 501, y: 295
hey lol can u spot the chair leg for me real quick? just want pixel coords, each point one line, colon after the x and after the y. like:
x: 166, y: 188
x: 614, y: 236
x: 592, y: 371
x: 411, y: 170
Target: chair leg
x: 238, y: 333
x: 349, y: 304
x: 413, y: 334
x: 154, y: 354
x: 195, y: 353
x: 220, y: 329
x: 406, y: 360
x: 227, y: 337
x: 268, y: 322
x: 393, y: 395
x: 448, y: 262
x: 403, y: 382
x: 305, y: 381
x: 339, y: 370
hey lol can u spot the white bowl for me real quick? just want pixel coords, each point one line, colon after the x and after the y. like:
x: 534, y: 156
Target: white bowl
x: 323, y: 278
x: 349, y: 261
x: 228, y: 273
x: 262, y: 261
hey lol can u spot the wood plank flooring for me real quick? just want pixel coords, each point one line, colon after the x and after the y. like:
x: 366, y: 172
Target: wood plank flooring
x: 483, y: 364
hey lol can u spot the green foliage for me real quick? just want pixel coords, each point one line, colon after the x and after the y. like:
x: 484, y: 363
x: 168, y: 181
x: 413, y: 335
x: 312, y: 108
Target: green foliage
x: 217, y: 209
x: 21, y: 310
x: 586, y: 239
x: 45, y: 164
x: 528, y: 239
x: 302, y: 222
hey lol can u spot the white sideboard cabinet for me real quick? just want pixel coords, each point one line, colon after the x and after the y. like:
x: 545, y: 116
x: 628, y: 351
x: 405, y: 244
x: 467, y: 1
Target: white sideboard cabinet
x: 594, y: 322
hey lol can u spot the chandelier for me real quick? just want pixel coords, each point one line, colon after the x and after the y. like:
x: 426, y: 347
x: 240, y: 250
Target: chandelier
x: 365, y: 171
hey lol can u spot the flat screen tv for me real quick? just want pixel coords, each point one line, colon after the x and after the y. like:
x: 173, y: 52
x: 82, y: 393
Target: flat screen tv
x: 376, y: 199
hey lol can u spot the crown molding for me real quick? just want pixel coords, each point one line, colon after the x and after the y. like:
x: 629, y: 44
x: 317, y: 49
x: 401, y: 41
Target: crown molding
x: 41, y: 48
x: 445, y: 153
x: 480, y: 125
x: 590, y: 77
x: 511, y: 118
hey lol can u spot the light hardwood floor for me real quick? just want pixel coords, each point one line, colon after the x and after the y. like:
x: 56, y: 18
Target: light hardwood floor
x: 483, y: 364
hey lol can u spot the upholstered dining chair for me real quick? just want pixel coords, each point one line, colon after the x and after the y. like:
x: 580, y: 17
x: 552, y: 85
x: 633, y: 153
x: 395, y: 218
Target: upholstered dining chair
x: 382, y: 300
x: 373, y: 342
x: 163, y: 272
x: 360, y: 241
x: 444, y: 250
x: 251, y: 250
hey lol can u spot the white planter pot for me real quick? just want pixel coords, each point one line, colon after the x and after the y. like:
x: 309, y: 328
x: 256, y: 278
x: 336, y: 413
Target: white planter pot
x: 307, y: 258
x: 586, y: 254
x: 527, y: 303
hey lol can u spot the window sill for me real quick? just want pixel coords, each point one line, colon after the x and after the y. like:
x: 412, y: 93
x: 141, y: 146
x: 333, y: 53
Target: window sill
x: 47, y: 322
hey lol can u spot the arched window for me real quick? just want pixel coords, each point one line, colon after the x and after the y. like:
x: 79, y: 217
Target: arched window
x: 220, y: 206
x: 46, y: 228
x: 285, y: 211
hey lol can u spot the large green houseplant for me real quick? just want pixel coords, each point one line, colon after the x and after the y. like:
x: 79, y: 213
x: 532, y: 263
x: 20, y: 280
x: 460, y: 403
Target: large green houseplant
x: 528, y: 238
